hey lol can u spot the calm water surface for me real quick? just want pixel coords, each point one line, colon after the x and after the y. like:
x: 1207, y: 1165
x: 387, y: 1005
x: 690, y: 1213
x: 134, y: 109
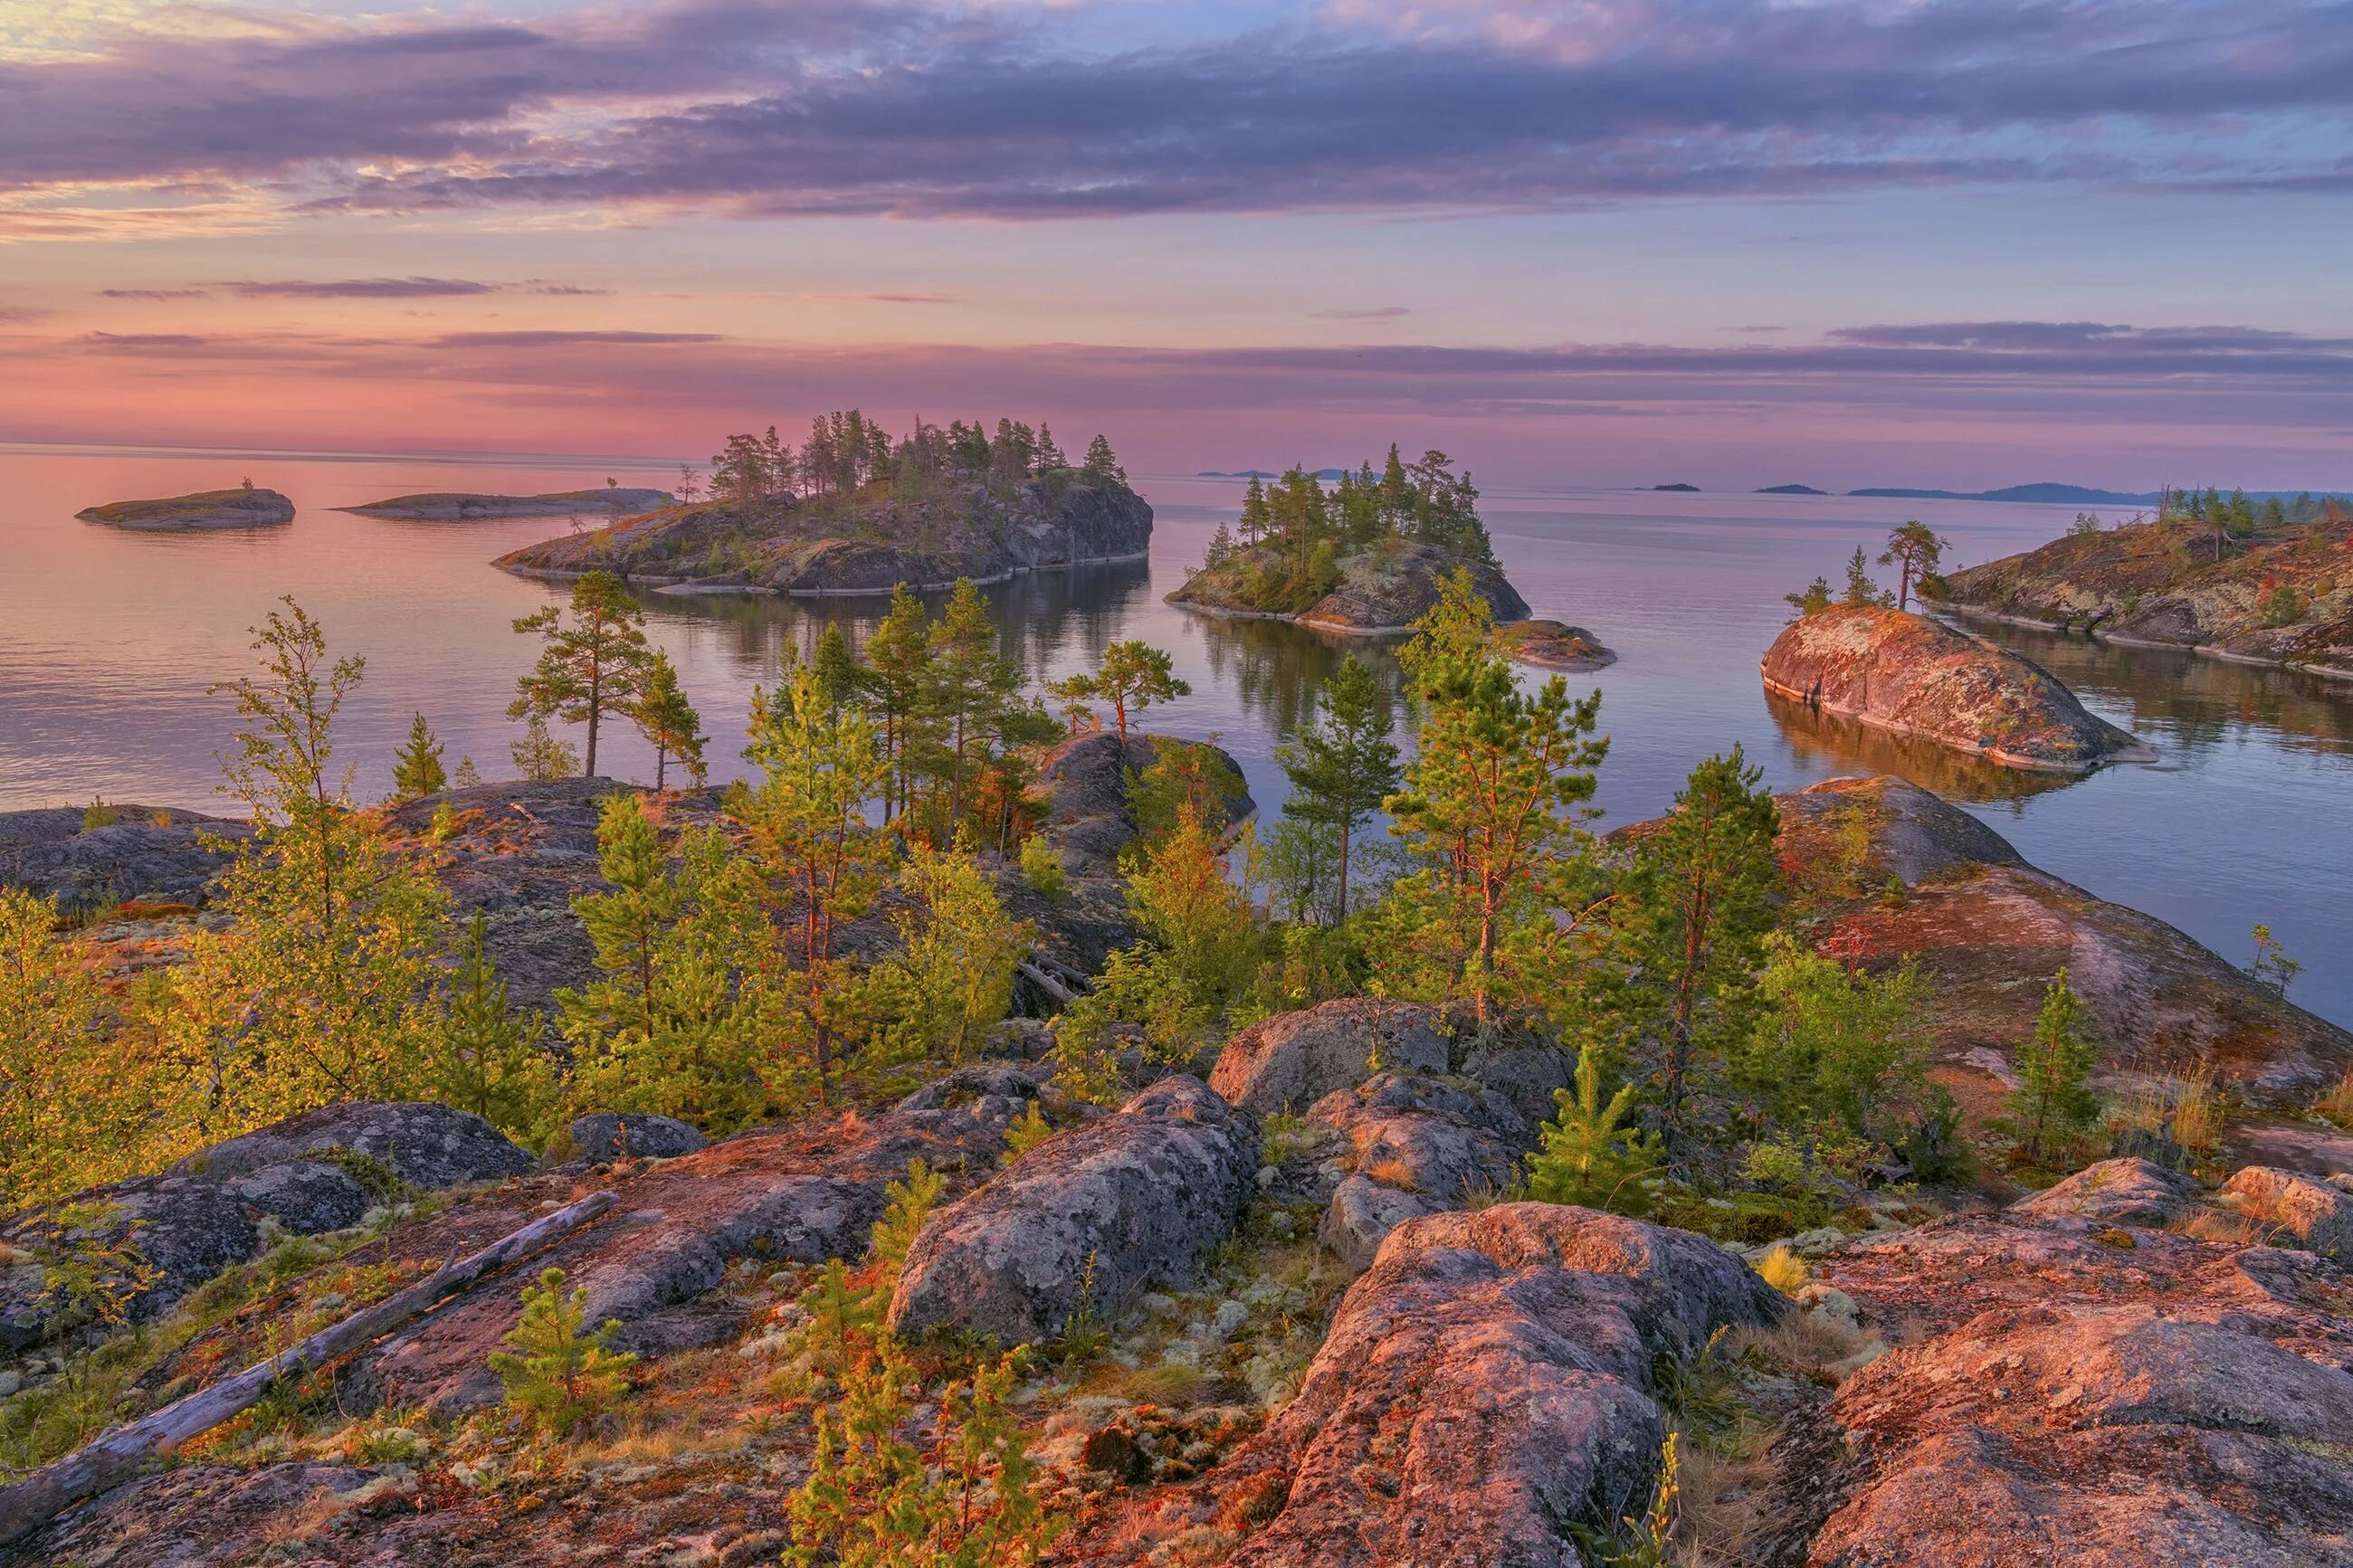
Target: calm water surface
x: 109, y: 640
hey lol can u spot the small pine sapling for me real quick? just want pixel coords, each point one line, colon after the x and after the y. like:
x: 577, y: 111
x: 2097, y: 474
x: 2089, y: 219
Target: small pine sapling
x: 1591, y: 1156
x: 557, y: 1376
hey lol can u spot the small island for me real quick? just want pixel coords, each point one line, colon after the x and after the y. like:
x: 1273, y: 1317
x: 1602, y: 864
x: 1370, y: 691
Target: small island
x: 1687, y: 490
x: 206, y: 511
x: 854, y: 511
x: 1552, y: 644
x: 1791, y: 490
x: 617, y: 501
x: 2269, y: 583
x: 1363, y: 559
x: 1905, y: 673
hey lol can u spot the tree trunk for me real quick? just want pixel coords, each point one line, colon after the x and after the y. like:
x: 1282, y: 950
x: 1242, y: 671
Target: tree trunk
x: 122, y: 1453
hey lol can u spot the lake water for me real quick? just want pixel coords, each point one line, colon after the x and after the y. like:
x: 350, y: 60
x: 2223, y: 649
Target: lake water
x: 110, y: 640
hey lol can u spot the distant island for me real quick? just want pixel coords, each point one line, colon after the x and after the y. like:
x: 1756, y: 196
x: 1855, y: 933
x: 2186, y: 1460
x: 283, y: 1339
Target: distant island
x: 1791, y: 490
x: 2269, y: 583
x: 246, y: 507
x: 2047, y: 494
x: 1366, y: 558
x: 441, y: 506
x: 1328, y: 476
x: 854, y: 511
x: 1692, y: 490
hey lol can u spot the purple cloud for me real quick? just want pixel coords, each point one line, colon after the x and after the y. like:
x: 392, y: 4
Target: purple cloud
x: 1373, y: 313
x: 363, y: 288
x: 798, y: 107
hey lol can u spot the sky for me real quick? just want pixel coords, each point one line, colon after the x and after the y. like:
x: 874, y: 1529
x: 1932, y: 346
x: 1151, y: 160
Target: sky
x: 1960, y: 243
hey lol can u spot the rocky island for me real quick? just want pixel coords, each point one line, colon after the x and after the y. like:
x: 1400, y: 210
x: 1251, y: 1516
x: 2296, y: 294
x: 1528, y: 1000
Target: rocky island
x: 206, y: 510
x: 2212, y: 574
x: 1365, y: 559
x: 861, y: 515
x: 614, y: 501
x: 1915, y: 676
x: 1552, y: 644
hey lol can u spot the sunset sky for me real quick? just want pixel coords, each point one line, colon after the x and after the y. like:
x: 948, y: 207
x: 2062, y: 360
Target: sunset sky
x: 1849, y: 242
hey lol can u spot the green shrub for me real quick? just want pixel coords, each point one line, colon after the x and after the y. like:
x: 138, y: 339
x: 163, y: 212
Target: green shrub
x: 1590, y: 1156
x: 1041, y: 868
x: 557, y: 1376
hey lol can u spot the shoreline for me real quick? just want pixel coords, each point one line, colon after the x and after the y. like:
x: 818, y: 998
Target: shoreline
x: 689, y: 587
x: 2139, y: 751
x: 2090, y: 632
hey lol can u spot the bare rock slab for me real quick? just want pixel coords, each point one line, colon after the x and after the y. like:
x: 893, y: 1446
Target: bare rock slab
x: 1420, y: 1145
x: 1290, y: 1061
x: 1914, y: 676
x: 1092, y: 1217
x: 2124, y: 1396
x: 1486, y: 1386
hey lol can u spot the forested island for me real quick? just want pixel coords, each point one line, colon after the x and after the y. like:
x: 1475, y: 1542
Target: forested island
x: 978, y: 1137
x: 246, y: 507
x: 854, y: 510
x: 2269, y: 583
x: 1366, y: 557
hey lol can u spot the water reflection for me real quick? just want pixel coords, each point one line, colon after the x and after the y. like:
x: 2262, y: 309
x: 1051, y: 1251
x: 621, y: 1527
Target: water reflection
x: 1274, y: 669
x: 1037, y: 615
x: 2185, y: 703
x: 1845, y: 745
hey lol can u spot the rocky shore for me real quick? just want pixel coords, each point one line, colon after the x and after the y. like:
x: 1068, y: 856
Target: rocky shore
x: 1913, y: 676
x: 457, y: 507
x: 1378, y: 592
x: 203, y: 510
x: 2284, y: 597
x: 865, y: 545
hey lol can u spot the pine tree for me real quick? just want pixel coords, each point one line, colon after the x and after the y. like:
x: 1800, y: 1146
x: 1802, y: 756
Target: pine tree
x: 1812, y: 600
x: 899, y: 684
x: 2052, y: 1102
x: 1861, y: 593
x: 1343, y: 766
x: 971, y: 685
x: 417, y: 771
x: 556, y: 1375
x: 1592, y: 1154
x: 953, y: 977
x: 592, y: 668
x: 488, y: 1062
x: 1916, y: 551
x: 668, y: 721
x: 540, y: 756
x: 660, y: 1030
x: 816, y: 858
x: 1254, y: 521
x: 1130, y: 676
x: 1493, y: 805
x: 1102, y: 463
x: 1685, y: 931
x: 839, y: 676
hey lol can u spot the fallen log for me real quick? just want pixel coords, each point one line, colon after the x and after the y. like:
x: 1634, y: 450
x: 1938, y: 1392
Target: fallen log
x: 118, y: 1454
x: 1046, y: 982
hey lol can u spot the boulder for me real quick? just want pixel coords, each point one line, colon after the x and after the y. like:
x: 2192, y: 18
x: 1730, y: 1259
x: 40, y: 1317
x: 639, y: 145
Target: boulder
x: 427, y: 1145
x: 1990, y: 931
x: 1419, y: 1145
x: 1294, y: 1059
x: 2313, y: 1214
x: 2097, y: 1397
x: 606, y: 1135
x: 2112, y: 1193
x: 807, y: 1192
x: 1087, y: 1221
x: 203, y: 1214
x: 1914, y: 676
x: 1485, y: 1387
